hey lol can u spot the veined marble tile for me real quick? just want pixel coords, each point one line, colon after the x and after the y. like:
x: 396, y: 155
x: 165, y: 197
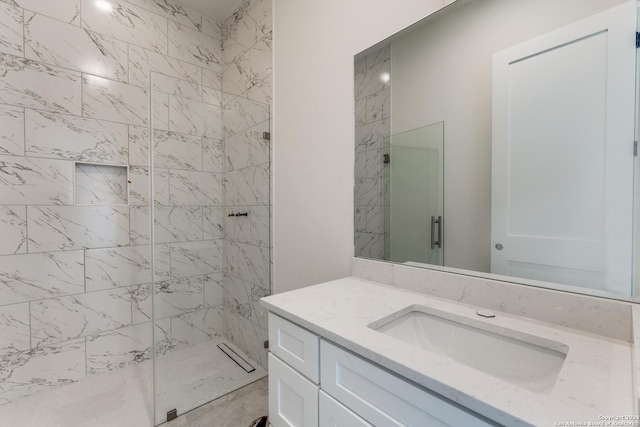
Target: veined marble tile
x: 173, y: 224
x: 241, y: 113
x: 211, y: 27
x: 250, y: 70
x: 212, y: 155
x: 236, y: 297
x: 28, y: 181
x: 194, y: 117
x: 14, y: 329
x: 369, y: 191
x: 360, y: 112
x: 57, y: 274
x: 372, y: 135
x: 76, y: 138
x: 110, y: 100
x: 247, y: 148
x: 244, y: 299
x: 116, y: 349
x: 139, y: 186
x: 360, y: 65
x: 374, y: 79
x: 46, y: 367
x: 75, y: 227
x: 211, y: 79
x: 214, y: 290
x: 196, y: 327
x: 369, y: 245
x: 13, y: 229
x: 247, y: 262
x: 143, y: 62
x: 375, y: 219
x: 128, y: 23
x: 212, y: 96
x: 160, y: 111
x: 172, y: 11
x: 260, y: 16
x: 63, y: 10
x: 248, y: 336
x: 179, y: 296
x: 101, y: 184
x: 176, y: 86
x: 139, y: 145
x: 378, y: 106
x: 66, y: 318
x: 248, y: 186
x: 177, y: 151
x: 195, y: 188
x: 54, y: 42
x: 163, y: 343
x: 381, y: 55
x: 193, y: 46
x: 239, y: 33
x: 262, y: 91
x: 213, y: 222
x: 360, y: 222
x: 195, y: 258
x: 369, y: 164
x: 11, y: 130
x: 120, y: 267
x: 32, y: 84
x: 259, y: 217
x: 11, y: 23
x: 237, y: 228
x: 141, y: 303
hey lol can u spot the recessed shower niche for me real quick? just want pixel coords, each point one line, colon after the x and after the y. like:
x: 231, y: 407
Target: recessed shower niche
x: 97, y: 184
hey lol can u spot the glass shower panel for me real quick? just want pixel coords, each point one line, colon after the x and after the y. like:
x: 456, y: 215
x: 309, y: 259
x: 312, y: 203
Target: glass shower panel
x: 414, y: 195
x: 201, y: 351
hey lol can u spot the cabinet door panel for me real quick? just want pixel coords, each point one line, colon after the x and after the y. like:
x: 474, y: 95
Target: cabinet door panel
x: 293, y: 399
x: 296, y: 346
x: 333, y: 414
x: 383, y: 399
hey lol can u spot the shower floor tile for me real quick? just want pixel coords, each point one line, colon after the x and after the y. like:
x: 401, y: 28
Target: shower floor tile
x: 190, y: 377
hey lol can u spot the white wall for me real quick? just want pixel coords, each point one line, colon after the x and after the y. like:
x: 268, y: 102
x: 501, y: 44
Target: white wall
x: 314, y: 45
x: 431, y: 84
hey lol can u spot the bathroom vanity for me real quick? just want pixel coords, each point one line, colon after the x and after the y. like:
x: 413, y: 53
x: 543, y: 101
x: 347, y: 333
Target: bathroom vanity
x: 352, y: 352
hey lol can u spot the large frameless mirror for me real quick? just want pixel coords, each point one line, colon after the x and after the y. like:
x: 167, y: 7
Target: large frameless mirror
x: 496, y: 138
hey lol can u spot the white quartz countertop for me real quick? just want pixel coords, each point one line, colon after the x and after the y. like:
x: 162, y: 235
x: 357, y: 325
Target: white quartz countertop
x: 594, y: 384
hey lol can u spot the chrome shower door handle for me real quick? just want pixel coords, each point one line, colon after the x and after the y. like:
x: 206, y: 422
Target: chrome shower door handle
x: 436, y: 242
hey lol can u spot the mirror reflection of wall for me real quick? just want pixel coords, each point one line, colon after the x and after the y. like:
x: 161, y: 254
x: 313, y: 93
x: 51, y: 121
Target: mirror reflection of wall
x: 372, y: 113
x: 441, y: 70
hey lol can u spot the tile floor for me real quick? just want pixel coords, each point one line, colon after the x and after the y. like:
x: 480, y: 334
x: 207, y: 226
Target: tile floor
x: 237, y: 409
x: 123, y: 398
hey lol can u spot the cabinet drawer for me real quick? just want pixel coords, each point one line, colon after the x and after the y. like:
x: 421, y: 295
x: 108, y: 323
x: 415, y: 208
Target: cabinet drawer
x: 333, y: 414
x: 384, y: 399
x: 293, y: 399
x: 296, y: 346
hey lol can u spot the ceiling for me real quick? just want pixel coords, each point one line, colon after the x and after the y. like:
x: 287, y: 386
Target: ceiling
x: 218, y: 10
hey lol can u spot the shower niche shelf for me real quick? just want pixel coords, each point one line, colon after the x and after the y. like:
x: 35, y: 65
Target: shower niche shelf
x: 99, y: 184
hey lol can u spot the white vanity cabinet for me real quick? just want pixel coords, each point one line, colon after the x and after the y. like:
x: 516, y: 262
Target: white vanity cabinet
x: 315, y: 383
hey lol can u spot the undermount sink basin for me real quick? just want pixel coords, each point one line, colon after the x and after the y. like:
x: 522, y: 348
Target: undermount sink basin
x: 519, y: 358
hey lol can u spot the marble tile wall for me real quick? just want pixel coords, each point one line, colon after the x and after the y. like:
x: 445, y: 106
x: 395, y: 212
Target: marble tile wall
x: 246, y: 83
x: 372, y: 86
x: 75, y: 292
x: 189, y: 201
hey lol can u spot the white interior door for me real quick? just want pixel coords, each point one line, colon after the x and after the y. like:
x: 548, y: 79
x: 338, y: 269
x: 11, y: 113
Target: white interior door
x: 562, y: 162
